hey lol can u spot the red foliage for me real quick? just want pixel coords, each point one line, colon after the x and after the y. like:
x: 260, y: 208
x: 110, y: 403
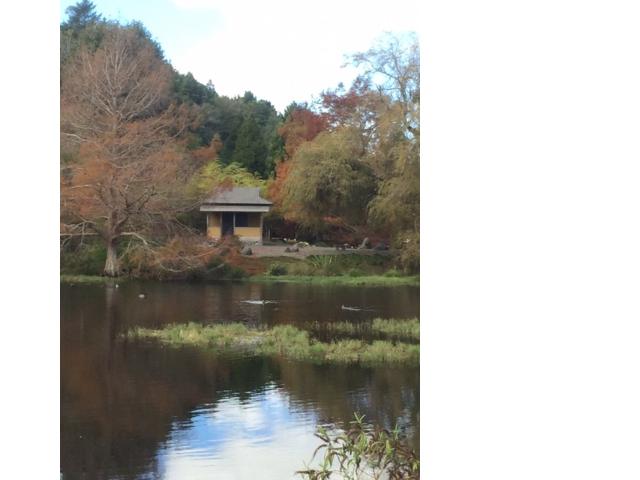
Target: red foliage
x: 302, y: 126
x: 340, y: 105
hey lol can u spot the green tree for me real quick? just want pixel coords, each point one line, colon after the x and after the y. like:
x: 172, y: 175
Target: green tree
x: 394, y: 64
x: 84, y: 27
x: 81, y: 15
x: 250, y: 149
x: 187, y: 89
x: 328, y: 179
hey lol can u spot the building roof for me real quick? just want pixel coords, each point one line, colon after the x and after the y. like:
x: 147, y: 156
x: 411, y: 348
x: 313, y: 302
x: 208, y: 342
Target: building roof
x: 238, y: 196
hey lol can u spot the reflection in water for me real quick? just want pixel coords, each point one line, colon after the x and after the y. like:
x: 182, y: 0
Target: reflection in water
x: 234, y: 437
x: 139, y: 410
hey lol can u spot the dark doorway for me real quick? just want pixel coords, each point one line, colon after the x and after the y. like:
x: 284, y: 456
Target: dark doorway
x: 227, y: 223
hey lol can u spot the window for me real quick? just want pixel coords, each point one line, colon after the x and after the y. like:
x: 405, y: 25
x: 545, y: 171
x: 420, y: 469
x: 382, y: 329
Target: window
x: 242, y: 219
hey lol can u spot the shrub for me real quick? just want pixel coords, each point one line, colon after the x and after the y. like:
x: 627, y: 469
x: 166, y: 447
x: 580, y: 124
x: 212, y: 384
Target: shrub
x: 301, y: 268
x: 393, y: 273
x: 86, y: 260
x: 409, y: 256
x: 276, y: 269
x: 360, y: 452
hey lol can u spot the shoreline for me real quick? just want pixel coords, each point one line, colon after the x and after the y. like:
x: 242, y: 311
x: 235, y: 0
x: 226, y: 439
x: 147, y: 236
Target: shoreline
x: 343, y: 280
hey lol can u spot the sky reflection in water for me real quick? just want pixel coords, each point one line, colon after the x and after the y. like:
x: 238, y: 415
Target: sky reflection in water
x: 263, y: 437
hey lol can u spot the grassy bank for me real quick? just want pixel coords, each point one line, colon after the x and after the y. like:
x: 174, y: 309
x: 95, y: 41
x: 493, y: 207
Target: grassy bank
x: 284, y: 340
x: 374, y: 280
x: 84, y: 264
x: 407, y: 330
x: 88, y: 279
x: 368, y: 280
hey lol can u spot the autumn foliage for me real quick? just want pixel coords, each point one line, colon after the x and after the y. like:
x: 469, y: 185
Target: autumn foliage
x: 142, y: 145
x: 117, y: 118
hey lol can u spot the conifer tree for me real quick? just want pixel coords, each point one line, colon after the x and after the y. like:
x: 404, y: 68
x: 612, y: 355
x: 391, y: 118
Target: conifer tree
x: 250, y: 149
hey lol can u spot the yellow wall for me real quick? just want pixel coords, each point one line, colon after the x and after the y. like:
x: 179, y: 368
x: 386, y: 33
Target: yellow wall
x: 252, y: 232
x: 213, y: 230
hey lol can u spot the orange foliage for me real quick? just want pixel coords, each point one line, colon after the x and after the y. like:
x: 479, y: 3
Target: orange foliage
x: 302, y: 126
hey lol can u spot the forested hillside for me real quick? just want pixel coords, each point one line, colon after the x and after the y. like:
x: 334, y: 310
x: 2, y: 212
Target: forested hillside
x: 143, y: 144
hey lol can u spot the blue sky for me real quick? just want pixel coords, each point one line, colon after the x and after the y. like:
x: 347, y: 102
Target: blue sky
x: 281, y: 50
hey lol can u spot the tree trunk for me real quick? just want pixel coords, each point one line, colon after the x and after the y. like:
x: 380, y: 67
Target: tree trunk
x: 112, y: 265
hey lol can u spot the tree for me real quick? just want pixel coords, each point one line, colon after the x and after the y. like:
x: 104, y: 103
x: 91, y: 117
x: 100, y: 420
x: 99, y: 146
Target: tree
x: 301, y: 125
x: 115, y: 107
x: 365, y: 165
x: 327, y: 179
x: 250, y: 149
x: 188, y: 89
x: 84, y: 26
x: 81, y: 15
x: 394, y: 67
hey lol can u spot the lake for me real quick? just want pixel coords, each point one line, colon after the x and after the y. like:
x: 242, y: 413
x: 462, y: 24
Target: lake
x: 139, y: 410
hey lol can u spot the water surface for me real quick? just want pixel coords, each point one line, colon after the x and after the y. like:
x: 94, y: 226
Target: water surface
x: 138, y: 410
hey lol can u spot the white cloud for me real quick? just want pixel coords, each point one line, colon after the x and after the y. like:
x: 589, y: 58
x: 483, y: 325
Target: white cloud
x: 287, y: 50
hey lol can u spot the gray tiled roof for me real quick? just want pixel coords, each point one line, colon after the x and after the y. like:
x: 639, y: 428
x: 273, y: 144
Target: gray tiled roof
x: 238, y: 196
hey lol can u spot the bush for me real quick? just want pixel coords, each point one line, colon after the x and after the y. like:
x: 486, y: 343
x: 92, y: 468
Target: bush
x: 216, y: 269
x: 85, y: 260
x: 409, y: 257
x: 393, y: 273
x: 301, y: 268
x: 325, y: 265
x: 276, y: 270
x: 356, y: 451
x: 355, y: 272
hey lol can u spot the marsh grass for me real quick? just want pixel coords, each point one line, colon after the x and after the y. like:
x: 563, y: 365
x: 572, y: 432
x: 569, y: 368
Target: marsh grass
x: 409, y: 328
x: 397, y: 329
x: 194, y: 334
x: 283, y: 340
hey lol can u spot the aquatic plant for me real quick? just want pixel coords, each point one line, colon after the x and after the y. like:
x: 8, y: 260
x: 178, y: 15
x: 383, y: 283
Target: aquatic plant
x: 409, y: 328
x: 400, y: 329
x: 359, y: 452
x: 283, y: 340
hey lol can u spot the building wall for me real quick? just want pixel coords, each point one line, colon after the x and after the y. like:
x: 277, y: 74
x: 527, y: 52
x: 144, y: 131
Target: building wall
x: 252, y: 232
x: 249, y: 233
x: 213, y: 225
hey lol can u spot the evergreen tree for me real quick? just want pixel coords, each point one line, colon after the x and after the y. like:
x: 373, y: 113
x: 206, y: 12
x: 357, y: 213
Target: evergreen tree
x: 81, y: 15
x: 250, y: 149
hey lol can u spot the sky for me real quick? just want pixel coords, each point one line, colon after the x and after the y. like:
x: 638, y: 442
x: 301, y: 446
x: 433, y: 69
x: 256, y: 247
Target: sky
x: 281, y: 50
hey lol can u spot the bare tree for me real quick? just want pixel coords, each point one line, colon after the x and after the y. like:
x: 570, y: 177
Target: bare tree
x: 115, y: 109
